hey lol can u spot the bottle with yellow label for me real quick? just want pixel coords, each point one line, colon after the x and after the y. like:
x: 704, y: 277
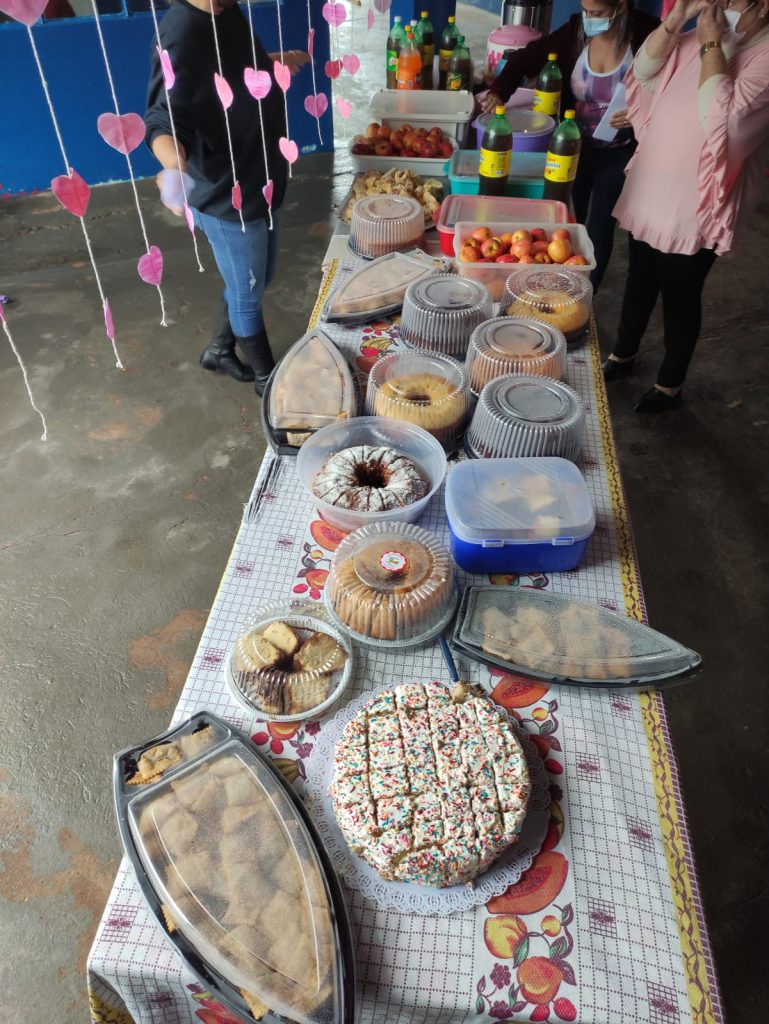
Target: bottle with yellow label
x: 460, y: 73
x: 446, y: 47
x: 547, y: 92
x: 496, y: 152
x: 562, y: 159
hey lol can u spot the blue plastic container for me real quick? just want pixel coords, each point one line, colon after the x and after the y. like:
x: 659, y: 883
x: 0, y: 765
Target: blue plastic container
x: 518, y: 515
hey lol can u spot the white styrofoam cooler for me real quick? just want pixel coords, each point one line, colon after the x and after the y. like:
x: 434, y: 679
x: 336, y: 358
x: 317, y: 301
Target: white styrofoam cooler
x: 450, y: 111
x: 426, y: 167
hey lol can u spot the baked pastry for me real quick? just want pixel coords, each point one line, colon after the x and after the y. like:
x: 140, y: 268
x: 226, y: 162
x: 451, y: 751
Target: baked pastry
x: 369, y: 479
x: 379, y: 287
x: 505, y: 345
x: 283, y: 637
x: 303, y: 692
x: 426, y: 399
x: 384, y: 224
x: 320, y: 653
x: 254, y: 652
x: 441, y: 312
x: 570, y: 316
x: 560, y: 297
x: 430, y: 786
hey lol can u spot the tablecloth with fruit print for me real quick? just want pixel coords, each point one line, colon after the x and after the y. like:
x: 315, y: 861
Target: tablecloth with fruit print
x: 606, y: 927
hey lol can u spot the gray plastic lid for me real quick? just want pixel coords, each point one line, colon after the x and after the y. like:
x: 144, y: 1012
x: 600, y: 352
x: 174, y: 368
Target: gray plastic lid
x: 448, y: 291
x: 441, y: 312
x: 508, y: 345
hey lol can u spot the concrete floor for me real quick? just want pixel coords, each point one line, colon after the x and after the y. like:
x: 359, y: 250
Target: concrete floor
x: 115, y: 534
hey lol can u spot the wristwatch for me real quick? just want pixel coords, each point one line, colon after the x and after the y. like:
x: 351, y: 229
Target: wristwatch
x: 709, y: 46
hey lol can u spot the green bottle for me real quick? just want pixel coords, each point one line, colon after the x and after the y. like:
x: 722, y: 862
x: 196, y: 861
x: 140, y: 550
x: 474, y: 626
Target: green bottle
x: 395, y: 40
x: 460, y: 73
x: 496, y: 151
x: 448, y: 41
x: 562, y: 159
x: 424, y: 34
x: 547, y: 92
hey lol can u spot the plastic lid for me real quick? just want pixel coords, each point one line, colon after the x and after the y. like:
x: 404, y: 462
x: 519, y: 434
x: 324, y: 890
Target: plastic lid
x: 552, y: 56
x: 537, y: 501
x: 556, y: 638
x: 451, y: 19
x: 527, y: 416
x: 391, y: 583
x: 429, y: 390
x: 569, y: 114
x: 382, y: 224
x: 424, y: 14
x: 522, y: 122
x: 562, y: 298
x: 513, y: 36
x: 312, y: 387
x: 442, y: 311
x: 507, y: 345
x: 379, y: 287
x: 499, y: 109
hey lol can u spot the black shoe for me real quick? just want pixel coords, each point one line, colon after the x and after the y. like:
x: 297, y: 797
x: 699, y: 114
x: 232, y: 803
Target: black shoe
x: 219, y: 355
x: 256, y: 349
x: 657, y: 401
x: 612, y: 368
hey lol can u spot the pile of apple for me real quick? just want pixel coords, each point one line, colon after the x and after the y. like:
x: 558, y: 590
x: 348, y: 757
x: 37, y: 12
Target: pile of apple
x: 520, y: 246
x: 380, y: 140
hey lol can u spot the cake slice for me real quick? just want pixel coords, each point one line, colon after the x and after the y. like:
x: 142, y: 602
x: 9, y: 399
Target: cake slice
x: 283, y: 637
x: 320, y: 653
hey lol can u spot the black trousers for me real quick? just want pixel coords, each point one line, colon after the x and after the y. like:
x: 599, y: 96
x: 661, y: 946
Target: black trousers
x: 596, y: 189
x: 680, y: 279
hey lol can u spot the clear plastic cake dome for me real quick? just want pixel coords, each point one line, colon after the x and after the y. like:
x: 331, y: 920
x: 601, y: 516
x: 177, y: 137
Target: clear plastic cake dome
x: 507, y: 345
x: 562, y: 298
x: 423, y: 388
x: 441, y: 312
x: 524, y: 416
x: 383, y: 224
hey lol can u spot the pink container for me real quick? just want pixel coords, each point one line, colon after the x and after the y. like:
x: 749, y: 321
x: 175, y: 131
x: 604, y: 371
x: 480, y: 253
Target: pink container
x: 507, y: 37
x: 484, y: 209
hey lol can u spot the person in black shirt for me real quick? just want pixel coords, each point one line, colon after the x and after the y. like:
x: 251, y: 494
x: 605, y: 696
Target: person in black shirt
x: 245, y: 260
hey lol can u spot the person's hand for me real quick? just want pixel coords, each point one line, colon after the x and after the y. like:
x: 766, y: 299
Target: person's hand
x: 489, y: 102
x: 294, y: 60
x: 620, y: 120
x: 683, y: 11
x: 160, y: 178
x: 711, y: 24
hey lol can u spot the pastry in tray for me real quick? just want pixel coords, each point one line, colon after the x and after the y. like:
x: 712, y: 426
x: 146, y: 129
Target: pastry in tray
x: 427, y: 191
x: 430, y: 786
x: 379, y: 287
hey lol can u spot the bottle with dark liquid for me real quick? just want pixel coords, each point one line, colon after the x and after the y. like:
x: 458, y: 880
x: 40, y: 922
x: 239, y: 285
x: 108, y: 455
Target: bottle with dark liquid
x: 460, y: 73
x: 395, y: 40
x: 547, y: 92
x: 496, y: 152
x: 562, y: 159
x: 424, y: 34
x: 448, y: 41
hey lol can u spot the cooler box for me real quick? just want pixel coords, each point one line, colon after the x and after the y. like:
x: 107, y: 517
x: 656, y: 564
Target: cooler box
x: 526, y: 179
x: 484, y: 209
x: 424, y: 108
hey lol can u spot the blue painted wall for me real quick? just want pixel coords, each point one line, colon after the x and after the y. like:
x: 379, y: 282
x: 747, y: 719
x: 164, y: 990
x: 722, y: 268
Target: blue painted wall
x: 74, y: 68
x: 562, y: 9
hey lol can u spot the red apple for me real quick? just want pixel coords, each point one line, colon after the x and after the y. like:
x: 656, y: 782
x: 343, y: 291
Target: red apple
x: 507, y: 257
x: 506, y: 239
x: 559, y: 250
x: 538, y: 235
x: 491, y: 247
x: 539, y: 246
x: 384, y: 132
x: 408, y: 152
x: 542, y: 257
x: 418, y: 146
x: 481, y: 234
x: 429, y: 152
x: 487, y: 259
x: 383, y: 148
x: 560, y: 234
x: 396, y: 140
x: 521, y: 247
x: 407, y: 128
x: 446, y: 149
x: 521, y: 235
x: 526, y: 259
x: 408, y: 138
x: 469, y: 254
x: 421, y: 132
x: 361, y: 149
x: 373, y: 130
x: 575, y: 261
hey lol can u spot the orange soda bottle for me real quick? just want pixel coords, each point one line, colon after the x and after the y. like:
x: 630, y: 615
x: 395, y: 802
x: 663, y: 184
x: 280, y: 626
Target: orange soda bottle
x: 409, y: 64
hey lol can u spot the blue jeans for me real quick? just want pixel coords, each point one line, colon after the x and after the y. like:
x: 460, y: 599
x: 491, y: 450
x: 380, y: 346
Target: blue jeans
x: 246, y: 263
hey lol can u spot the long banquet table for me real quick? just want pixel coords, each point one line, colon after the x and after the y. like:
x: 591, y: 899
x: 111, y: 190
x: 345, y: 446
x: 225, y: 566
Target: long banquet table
x: 606, y: 927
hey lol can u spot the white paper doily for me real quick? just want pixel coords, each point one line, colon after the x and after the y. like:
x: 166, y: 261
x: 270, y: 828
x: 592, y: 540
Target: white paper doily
x: 407, y: 897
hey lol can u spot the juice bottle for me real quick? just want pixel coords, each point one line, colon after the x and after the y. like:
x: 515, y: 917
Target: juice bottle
x: 460, y: 73
x: 446, y: 46
x: 409, y: 64
x: 496, y: 151
x: 547, y: 93
x: 425, y: 37
x: 562, y: 159
x: 395, y: 40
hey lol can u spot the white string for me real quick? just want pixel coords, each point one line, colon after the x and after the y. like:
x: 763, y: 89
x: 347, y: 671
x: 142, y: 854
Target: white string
x: 259, y: 103
x: 44, y: 436
x: 116, y: 105
x: 226, y: 115
x: 282, y: 61
x: 173, y: 131
x: 312, y: 68
x: 68, y: 172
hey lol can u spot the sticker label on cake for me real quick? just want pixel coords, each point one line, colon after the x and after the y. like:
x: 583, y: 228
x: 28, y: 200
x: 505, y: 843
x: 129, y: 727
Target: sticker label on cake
x: 393, y: 561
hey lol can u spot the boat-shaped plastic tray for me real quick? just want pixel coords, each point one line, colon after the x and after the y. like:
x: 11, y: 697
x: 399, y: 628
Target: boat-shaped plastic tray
x: 559, y: 640
x: 230, y: 864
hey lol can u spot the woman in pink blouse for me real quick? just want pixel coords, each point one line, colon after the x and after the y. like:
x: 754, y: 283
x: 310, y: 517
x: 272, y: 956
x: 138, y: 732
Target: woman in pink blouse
x: 699, y: 106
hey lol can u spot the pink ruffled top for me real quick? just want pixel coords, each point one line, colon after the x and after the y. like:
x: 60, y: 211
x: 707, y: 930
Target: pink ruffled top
x: 701, y: 152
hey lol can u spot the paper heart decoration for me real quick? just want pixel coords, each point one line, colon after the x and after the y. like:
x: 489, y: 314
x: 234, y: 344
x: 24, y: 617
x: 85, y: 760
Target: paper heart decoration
x: 237, y: 196
x: 289, y: 149
x: 188, y: 217
x: 344, y: 106
x: 351, y: 62
x: 382, y: 5
x: 109, y: 324
x: 311, y: 42
x: 258, y: 83
x: 334, y: 14
x: 150, y: 266
x: 223, y: 91
x: 370, y: 18
x: 282, y: 75
x: 316, y: 105
x: 333, y: 68
x: 72, y: 192
x: 25, y: 11
x: 169, y: 76
x: 267, y: 191
x: 123, y: 132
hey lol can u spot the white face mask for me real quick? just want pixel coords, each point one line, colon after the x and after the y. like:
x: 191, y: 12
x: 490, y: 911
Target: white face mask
x: 732, y: 18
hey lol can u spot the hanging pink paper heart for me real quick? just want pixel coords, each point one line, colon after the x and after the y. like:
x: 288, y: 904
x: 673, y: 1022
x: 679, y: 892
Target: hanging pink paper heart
x: 223, y: 91
x: 237, y: 196
x: 370, y: 18
x: 109, y: 324
x: 282, y: 75
x: 382, y: 5
x: 25, y: 11
x: 72, y: 192
x: 258, y: 83
x: 316, y: 105
x: 311, y: 42
x: 150, y: 266
x: 351, y: 63
x: 344, y: 106
x: 289, y: 149
x: 169, y: 75
x: 124, y: 132
x: 333, y: 68
x: 267, y: 191
x: 334, y: 14
x: 189, y: 219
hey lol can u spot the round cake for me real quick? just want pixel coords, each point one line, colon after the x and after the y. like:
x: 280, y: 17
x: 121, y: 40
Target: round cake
x: 369, y: 479
x: 507, y: 345
x: 430, y: 785
x: 390, y: 582
x: 562, y: 298
x: 386, y: 223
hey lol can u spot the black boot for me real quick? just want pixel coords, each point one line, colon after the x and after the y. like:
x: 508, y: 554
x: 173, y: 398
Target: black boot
x: 219, y: 354
x: 256, y: 349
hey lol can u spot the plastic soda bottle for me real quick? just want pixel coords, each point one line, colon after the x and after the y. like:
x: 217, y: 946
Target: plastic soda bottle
x: 562, y: 159
x: 547, y: 92
x: 446, y: 46
x: 496, y: 151
x: 409, y: 64
x: 460, y: 73
x: 424, y: 34
x: 395, y: 40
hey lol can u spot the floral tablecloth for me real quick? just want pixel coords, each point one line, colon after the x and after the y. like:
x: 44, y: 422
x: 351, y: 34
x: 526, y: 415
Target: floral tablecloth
x: 606, y: 927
